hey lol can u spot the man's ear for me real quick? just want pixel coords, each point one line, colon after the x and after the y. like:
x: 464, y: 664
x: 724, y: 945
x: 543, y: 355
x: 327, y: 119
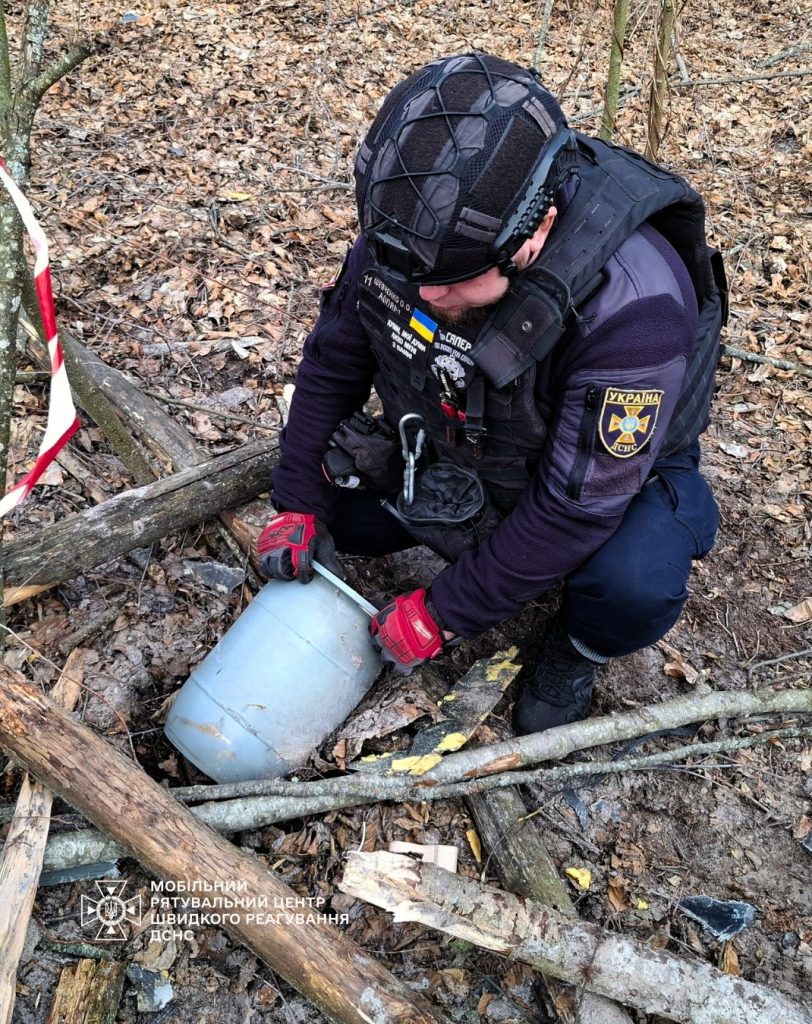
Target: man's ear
x: 540, y: 237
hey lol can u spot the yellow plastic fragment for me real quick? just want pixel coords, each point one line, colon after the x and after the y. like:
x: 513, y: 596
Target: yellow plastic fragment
x: 504, y: 670
x: 474, y: 843
x: 416, y: 765
x: 453, y: 741
x: 642, y: 905
x: 581, y: 876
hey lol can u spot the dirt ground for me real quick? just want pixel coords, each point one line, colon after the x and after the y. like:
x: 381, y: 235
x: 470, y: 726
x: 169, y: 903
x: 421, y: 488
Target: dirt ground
x: 196, y: 189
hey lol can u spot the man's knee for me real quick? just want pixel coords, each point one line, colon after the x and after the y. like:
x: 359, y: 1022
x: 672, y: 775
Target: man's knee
x: 632, y: 591
x: 631, y: 607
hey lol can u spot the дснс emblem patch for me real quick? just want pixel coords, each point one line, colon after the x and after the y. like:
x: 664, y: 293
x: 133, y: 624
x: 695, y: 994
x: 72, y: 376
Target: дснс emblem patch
x: 627, y: 420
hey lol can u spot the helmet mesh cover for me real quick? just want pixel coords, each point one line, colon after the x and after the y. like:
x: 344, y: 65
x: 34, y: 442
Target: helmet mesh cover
x: 448, y: 155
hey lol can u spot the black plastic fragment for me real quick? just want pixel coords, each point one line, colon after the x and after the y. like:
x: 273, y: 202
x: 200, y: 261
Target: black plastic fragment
x: 722, y: 918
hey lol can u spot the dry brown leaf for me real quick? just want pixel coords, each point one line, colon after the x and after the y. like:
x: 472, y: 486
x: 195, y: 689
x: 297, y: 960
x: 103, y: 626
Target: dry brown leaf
x: 677, y: 667
x: 617, y: 892
x: 628, y: 855
x: 482, y: 1005
x: 730, y: 960
x: 339, y: 752
x: 457, y: 981
x: 803, y: 828
x: 801, y: 612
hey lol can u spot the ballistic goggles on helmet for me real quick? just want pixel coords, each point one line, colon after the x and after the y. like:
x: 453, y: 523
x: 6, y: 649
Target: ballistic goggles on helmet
x: 413, y: 251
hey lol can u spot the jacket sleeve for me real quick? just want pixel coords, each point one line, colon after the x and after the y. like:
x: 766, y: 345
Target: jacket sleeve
x: 632, y: 369
x: 333, y: 380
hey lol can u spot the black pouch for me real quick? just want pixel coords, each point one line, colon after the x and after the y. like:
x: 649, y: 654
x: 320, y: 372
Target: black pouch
x: 364, y: 452
x: 450, y: 512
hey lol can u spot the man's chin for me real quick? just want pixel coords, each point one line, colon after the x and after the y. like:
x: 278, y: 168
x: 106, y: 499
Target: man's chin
x: 460, y: 316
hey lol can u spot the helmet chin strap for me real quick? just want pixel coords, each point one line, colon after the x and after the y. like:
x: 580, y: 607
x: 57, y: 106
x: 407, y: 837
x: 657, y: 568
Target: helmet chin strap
x: 507, y: 266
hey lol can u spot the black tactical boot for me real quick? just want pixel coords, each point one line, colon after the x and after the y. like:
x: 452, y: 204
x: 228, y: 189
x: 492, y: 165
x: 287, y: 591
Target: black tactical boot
x: 559, y: 688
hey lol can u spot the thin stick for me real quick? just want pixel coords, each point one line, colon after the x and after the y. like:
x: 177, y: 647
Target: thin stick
x: 756, y: 357
x: 212, y: 412
x: 545, y: 25
x: 778, y: 661
x: 697, y: 82
x: 315, y: 177
x: 784, y: 54
x: 31, y: 376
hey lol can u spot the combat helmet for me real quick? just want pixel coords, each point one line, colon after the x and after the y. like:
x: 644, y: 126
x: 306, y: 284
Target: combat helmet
x: 459, y: 168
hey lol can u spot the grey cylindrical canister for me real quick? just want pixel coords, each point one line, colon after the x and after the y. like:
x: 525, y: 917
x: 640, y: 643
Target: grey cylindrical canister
x: 289, y: 671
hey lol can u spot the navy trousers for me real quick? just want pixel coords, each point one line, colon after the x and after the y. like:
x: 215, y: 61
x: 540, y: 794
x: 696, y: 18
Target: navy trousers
x: 632, y: 590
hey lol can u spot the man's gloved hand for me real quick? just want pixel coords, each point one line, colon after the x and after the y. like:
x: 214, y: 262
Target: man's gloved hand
x: 290, y: 542
x: 406, y: 633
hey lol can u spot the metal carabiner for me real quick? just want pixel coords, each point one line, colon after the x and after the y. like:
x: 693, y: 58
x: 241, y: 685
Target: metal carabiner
x: 410, y: 457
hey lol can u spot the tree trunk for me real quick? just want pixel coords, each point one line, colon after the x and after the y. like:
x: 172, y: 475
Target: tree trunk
x: 626, y: 970
x: 341, y: 979
x: 135, y: 518
x: 21, y: 89
x: 621, y: 17
x: 659, y: 85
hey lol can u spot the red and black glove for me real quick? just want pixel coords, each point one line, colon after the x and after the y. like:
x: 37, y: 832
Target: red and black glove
x: 406, y: 633
x: 290, y: 542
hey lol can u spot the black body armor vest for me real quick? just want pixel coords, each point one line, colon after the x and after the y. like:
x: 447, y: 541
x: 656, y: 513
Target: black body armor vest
x: 464, y: 381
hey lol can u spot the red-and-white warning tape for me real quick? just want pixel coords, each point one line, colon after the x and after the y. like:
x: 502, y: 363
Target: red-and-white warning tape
x: 62, y: 420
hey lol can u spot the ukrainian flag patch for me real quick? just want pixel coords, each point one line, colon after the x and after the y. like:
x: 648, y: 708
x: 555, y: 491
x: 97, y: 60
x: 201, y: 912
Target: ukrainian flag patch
x: 423, y: 325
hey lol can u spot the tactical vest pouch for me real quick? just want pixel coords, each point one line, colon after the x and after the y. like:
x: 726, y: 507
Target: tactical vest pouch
x: 450, y: 512
x: 364, y: 452
x: 525, y: 327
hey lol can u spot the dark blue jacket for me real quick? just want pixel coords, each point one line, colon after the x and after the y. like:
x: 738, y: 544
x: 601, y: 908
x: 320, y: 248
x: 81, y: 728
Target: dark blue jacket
x: 608, y: 390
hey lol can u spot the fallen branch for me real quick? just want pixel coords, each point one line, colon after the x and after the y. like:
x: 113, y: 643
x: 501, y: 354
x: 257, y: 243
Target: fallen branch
x: 211, y: 410
x: 784, y: 54
x: 327, y: 968
x: 613, y: 966
x: 24, y: 851
x: 135, y: 518
x: 756, y: 357
x: 739, y: 79
x: 240, y: 814
x: 167, y: 439
x: 556, y: 744
x: 526, y: 869
x: 399, y: 788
